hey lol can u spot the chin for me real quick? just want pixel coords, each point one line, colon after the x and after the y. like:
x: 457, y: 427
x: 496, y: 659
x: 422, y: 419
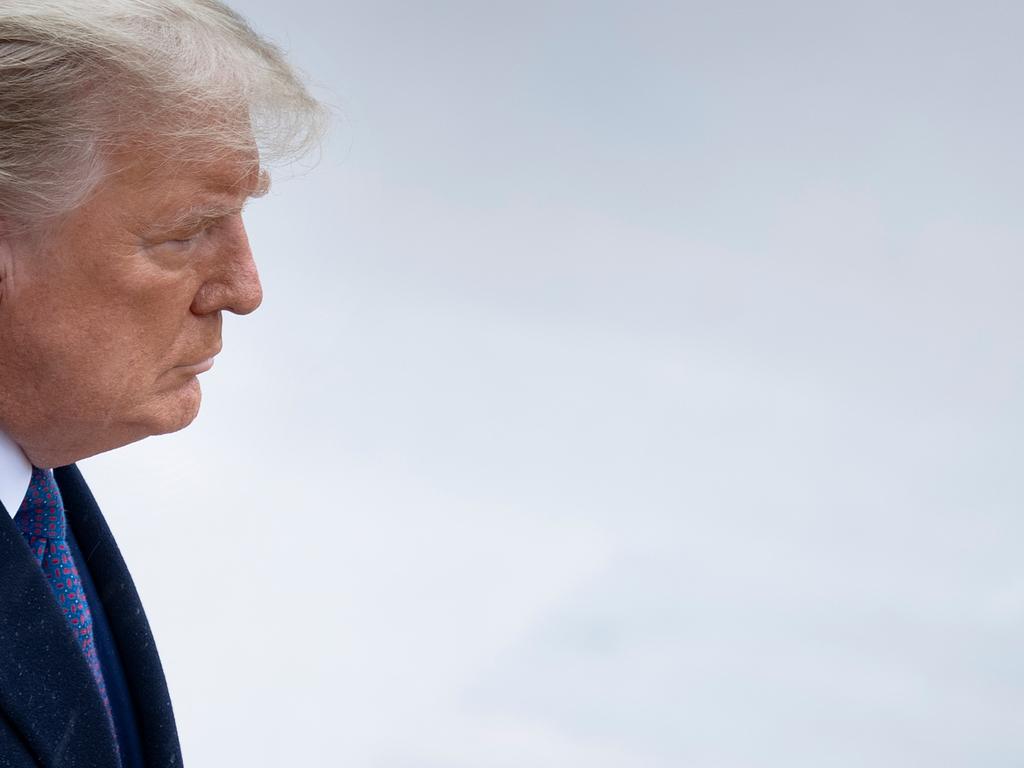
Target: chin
x: 180, y: 409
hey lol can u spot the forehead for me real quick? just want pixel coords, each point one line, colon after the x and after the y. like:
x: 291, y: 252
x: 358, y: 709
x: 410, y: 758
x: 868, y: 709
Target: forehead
x: 152, y: 184
x: 225, y: 172
x: 146, y: 191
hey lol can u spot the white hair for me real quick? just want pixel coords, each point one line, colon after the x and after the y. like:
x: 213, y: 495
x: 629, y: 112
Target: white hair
x: 82, y: 79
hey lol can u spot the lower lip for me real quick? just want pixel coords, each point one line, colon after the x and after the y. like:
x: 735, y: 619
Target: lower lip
x: 198, y: 367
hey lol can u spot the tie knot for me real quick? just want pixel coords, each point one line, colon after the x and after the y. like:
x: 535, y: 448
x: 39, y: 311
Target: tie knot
x: 41, y: 514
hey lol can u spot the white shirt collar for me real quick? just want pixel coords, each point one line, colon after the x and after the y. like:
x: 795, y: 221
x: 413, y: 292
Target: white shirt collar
x: 15, y: 474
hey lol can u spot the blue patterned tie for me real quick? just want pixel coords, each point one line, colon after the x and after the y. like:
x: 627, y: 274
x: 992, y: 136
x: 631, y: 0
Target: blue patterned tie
x: 41, y: 520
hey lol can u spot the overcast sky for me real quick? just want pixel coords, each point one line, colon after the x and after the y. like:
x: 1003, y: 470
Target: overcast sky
x: 638, y: 385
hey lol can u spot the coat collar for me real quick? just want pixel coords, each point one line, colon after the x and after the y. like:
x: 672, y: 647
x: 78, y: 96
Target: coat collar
x: 136, y: 647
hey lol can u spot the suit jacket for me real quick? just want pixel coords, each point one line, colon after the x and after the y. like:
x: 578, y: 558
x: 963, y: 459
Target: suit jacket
x: 51, y: 714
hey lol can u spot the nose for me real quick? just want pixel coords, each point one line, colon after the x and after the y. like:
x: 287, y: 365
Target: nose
x: 234, y: 283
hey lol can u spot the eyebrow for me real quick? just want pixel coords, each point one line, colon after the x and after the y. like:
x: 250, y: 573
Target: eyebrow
x: 205, y: 213
x: 199, y: 215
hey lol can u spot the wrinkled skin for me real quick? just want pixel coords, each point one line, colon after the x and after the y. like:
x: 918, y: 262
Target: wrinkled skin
x: 99, y: 324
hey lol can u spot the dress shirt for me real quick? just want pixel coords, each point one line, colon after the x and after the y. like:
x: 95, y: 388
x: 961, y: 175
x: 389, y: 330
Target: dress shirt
x: 15, y: 474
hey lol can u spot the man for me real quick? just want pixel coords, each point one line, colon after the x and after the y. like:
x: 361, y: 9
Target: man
x: 131, y: 134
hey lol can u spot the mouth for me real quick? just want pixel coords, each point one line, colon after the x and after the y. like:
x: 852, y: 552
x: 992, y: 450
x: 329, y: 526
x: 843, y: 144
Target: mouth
x: 202, y: 366
x: 195, y: 368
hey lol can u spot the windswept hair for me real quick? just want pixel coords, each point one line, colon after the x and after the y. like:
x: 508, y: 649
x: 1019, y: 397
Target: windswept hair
x: 81, y: 79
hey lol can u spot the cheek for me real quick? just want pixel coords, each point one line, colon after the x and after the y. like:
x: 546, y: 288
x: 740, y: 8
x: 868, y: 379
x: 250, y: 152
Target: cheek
x: 110, y: 352
x: 105, y: 328
x: 142, y: 323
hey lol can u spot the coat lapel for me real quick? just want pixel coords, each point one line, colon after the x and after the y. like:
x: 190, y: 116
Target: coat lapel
x: 46, y: 689
x: 128, y: 624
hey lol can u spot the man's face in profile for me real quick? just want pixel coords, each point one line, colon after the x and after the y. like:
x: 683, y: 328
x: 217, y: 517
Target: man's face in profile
x: 109, y: 321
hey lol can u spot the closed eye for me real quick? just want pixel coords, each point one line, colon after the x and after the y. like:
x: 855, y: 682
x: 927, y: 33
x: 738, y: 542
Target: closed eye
x: 180, y: 243
x: 191, y: 237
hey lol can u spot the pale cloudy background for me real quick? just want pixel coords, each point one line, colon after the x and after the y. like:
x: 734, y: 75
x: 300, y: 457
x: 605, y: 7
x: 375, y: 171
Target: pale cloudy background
x: 638, y: 385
